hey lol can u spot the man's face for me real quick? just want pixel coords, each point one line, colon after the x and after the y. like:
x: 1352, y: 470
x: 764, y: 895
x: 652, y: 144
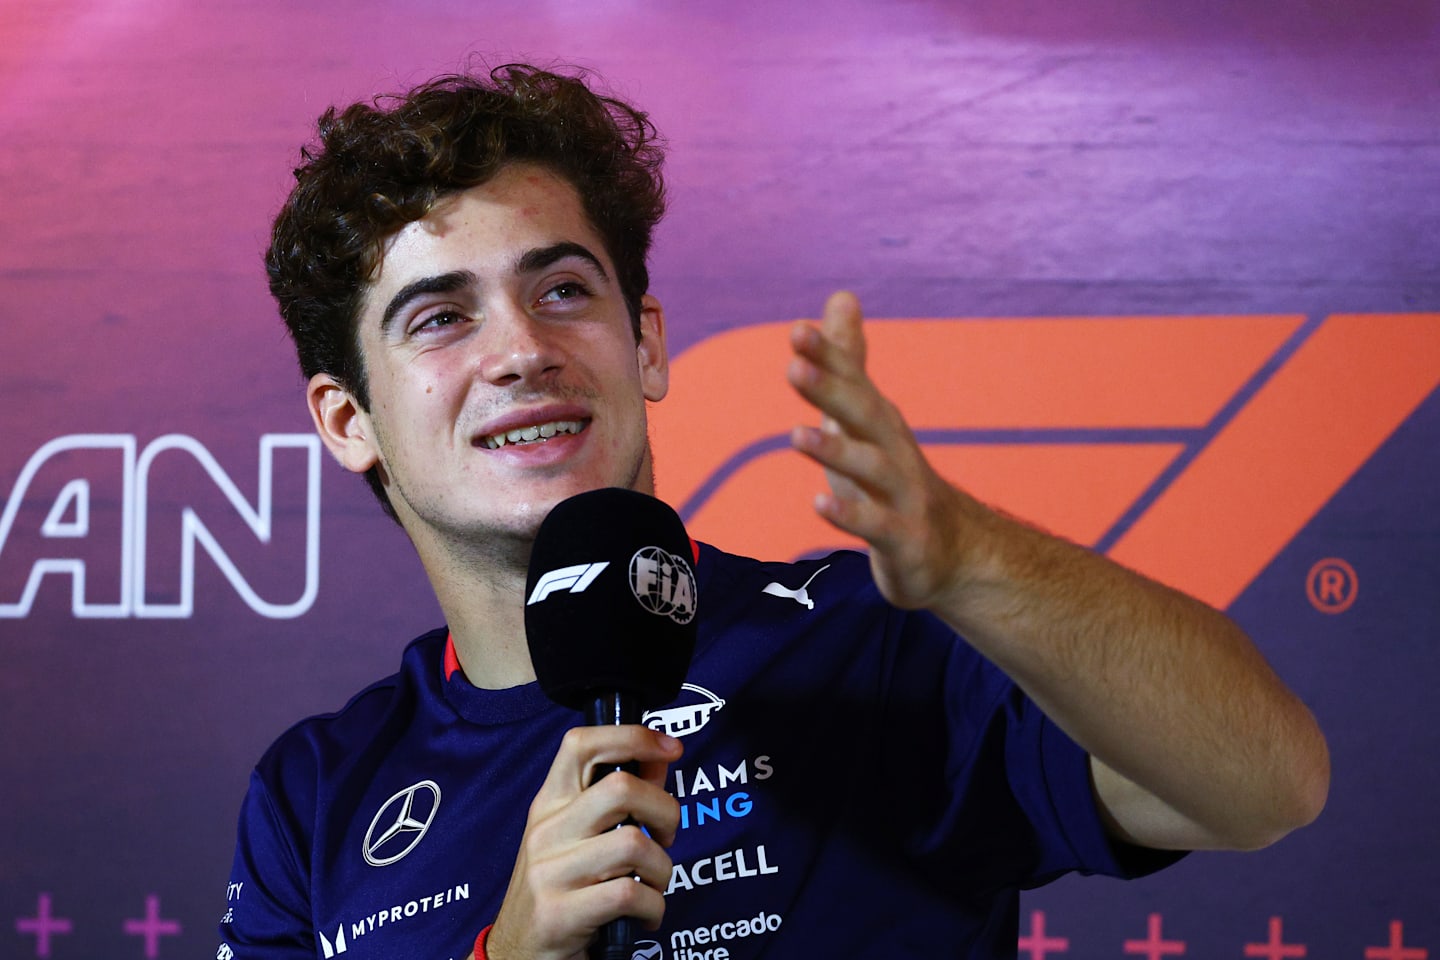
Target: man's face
x: 503, y: 370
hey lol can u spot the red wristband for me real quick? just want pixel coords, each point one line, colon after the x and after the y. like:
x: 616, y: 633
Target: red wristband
x: 480, y: 943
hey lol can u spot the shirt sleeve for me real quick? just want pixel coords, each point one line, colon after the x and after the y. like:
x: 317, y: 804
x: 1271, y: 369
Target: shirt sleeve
x: 267, y: 902
x: 1001, y: 797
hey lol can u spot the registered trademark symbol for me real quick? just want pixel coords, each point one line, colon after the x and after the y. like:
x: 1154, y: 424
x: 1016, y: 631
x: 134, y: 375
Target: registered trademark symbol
x: 1332, y: 585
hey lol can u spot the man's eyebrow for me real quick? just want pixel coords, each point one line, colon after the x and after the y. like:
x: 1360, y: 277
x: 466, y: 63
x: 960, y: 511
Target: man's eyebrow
x: 440, y: 283
x: 542, y: 257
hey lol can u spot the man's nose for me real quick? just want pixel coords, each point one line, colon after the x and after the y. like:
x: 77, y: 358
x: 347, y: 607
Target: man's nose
x: 517, y: 347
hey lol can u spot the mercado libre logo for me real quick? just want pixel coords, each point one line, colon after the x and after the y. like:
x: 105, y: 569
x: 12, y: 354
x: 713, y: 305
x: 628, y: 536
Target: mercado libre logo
x: 1192, y: 449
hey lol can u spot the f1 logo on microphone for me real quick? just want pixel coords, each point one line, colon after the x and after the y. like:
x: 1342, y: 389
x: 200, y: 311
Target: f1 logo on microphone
x: 574, y: 579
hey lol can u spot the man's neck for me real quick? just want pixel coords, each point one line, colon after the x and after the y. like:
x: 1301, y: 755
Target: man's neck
x: 484, y: 607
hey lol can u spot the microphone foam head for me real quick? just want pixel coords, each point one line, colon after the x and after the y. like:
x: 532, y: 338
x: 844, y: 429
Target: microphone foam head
x: 610, y: 599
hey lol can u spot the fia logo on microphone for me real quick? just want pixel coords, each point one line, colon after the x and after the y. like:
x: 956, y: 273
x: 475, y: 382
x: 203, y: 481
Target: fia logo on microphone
x: 663, y: 583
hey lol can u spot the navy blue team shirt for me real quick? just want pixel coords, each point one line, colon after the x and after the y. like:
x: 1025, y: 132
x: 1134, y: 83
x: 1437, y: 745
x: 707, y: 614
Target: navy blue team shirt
x: 857, y: 780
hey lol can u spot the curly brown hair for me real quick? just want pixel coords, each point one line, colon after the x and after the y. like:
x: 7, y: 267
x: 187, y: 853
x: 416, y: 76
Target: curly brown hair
x: 385, y: 163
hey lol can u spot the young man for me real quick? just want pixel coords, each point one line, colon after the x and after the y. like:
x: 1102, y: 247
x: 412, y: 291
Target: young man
x: 973, y: 709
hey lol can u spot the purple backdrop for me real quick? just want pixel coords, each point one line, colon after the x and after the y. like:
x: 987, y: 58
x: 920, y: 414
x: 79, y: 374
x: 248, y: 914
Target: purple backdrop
x: 942, y: 159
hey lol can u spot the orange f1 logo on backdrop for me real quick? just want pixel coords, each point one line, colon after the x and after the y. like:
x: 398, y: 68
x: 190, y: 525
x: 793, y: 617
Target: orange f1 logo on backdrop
x: 1192, y: 449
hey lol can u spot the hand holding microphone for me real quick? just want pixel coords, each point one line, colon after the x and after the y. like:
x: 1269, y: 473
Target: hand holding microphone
x: 610, y: 620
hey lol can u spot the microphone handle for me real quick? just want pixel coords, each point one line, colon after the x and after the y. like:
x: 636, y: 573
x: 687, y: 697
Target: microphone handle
x: 616, y: 939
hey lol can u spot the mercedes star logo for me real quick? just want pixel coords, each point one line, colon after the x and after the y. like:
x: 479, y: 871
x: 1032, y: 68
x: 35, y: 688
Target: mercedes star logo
x: 402, y: 822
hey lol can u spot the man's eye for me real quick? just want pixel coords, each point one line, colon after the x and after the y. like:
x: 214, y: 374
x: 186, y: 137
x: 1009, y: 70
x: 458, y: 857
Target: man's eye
x: 442, y: 318
x: 569, y: 290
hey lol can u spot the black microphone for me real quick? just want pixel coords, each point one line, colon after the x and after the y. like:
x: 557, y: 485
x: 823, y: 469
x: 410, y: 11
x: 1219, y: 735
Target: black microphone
x: 610, y: 621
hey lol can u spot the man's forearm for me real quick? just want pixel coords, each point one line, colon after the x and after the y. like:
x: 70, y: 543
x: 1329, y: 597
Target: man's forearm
x: 1196, y: 742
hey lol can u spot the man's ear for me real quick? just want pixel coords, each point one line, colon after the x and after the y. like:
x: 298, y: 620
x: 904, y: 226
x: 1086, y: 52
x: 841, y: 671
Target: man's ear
x: 654, y: 360
x: 342, y: 423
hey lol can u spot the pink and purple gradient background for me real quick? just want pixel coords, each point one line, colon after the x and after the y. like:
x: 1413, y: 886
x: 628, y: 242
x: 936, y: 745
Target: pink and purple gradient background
x: 942, y: 159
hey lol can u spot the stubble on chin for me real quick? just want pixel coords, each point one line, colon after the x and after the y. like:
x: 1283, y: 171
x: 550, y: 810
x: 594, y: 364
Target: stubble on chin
x: 496, y: 549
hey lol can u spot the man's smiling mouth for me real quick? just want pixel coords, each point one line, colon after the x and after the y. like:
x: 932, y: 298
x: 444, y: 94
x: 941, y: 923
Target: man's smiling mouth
x: 537, y: 433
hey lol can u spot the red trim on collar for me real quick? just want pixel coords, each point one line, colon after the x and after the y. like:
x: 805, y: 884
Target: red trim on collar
x: 452, y: 659
x: 695, y: 549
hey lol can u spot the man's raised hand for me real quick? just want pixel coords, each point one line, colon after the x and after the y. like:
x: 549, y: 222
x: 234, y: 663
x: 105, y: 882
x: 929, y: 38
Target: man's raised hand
x: 882, y: 489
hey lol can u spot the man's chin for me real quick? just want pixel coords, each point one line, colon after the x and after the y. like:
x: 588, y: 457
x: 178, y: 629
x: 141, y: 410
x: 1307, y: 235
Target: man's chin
x: 506, y: 535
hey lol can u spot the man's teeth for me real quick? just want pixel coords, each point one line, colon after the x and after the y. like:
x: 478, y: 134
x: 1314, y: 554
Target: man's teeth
x: 540, y: 431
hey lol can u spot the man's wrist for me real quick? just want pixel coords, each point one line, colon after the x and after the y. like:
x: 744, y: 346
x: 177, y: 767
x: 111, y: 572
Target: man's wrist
x: 484, y: 935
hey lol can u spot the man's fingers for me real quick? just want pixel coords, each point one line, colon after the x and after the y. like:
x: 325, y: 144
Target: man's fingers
x: 584, y: 748
x: 860, y: 468
x: 828, y: 370
x: 619, y: 797
x: 827, y: 355
x: 626, y: 851
x: 592, y: 879
x: 582, y: 907
x: 568, y: 809
x: 620, y: 897
x: 859, y: 516
x: 852, y: 403
x: 651, y: 750
x: 578, y: 858
x: 843, y: 323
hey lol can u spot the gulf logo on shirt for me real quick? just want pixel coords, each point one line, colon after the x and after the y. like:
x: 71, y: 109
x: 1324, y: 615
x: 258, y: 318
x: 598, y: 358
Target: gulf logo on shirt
x: 1191, y: 448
